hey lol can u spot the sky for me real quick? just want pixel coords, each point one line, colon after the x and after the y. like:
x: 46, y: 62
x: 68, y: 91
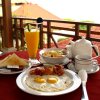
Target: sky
x: 78, y: 10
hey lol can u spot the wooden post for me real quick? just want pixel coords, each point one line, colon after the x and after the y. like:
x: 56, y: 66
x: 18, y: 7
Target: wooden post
x: 7, y: 24
x: 48, y: 34
x: 76, y: 31
x: 41, y: 36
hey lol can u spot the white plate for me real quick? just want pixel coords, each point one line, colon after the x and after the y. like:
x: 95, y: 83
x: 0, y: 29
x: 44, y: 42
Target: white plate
x: 20, y: 81
x: 44, y: 62
x: 8, y: 71
x: 91, y: 71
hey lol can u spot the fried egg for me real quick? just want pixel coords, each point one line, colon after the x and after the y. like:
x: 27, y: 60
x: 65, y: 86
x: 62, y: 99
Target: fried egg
x: 48, y: 83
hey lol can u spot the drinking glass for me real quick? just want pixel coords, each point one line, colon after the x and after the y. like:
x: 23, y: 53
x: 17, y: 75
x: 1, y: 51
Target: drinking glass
x: 32, y: 41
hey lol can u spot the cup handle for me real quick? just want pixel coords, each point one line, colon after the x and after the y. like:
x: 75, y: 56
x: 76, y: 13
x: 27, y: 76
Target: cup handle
x: 95, y: 48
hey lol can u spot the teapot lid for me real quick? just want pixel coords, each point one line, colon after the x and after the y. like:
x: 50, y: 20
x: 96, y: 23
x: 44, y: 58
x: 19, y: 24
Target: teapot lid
x: 83, y: 40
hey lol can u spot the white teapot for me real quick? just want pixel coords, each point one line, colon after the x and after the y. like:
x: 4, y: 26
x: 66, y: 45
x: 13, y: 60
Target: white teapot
x: 82, y: 47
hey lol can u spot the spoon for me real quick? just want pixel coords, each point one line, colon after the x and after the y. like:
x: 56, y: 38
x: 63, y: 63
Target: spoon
x: 83, y: 75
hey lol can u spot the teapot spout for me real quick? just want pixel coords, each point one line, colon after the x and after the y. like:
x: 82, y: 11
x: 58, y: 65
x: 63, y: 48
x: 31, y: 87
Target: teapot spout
x: 72, y: 42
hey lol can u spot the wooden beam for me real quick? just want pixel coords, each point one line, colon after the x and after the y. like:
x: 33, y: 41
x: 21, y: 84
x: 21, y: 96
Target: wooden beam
x: 7, y: 23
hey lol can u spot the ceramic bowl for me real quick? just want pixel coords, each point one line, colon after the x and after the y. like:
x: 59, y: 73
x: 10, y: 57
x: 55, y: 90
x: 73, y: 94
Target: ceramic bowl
x: 53, y: 59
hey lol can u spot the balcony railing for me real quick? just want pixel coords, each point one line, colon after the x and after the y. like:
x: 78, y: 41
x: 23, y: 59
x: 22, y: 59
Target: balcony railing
x: 50, y: 28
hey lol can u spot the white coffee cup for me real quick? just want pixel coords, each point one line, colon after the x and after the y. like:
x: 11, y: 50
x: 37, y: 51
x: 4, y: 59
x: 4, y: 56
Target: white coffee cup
x: 84, y: 62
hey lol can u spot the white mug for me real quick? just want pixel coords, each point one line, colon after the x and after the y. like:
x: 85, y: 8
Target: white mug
x: 84, y: 62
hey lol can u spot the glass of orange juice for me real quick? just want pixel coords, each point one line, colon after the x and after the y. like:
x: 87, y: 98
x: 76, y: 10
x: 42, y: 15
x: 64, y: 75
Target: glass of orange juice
x: 32, y: 41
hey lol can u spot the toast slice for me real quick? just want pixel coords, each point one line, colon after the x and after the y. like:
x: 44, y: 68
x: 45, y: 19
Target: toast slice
x: 13, y: 60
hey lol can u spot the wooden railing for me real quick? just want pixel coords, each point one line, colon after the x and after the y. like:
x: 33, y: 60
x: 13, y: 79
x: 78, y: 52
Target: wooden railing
x: 48, y: 27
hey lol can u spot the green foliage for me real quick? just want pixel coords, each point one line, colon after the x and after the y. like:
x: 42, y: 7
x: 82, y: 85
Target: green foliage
x: 62, y: 39
x: 84, y: 27
x: 87, y: 21
x: 68, y: 19
x: 81, y: 27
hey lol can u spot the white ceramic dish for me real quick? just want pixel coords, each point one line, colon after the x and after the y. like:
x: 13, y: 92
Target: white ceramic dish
x: 94, y: 70
x: 20, y: 81
x: 53, y: 60
x: 63, y: 63
x: 91, y: 71
x: 8, y: 71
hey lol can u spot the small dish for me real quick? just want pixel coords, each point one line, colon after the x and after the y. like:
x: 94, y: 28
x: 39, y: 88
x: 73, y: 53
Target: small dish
x: 94, y: 69
x: 12, y: 70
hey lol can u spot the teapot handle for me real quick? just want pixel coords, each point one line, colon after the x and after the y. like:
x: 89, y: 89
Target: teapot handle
x: 96, y: 50
x: 69, y: 51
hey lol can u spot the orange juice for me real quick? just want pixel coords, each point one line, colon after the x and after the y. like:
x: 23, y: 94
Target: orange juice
x: 32, y: 41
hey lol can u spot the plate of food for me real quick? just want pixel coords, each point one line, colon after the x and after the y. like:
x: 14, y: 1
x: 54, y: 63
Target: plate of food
x: 48, y: 80
x: 13, y: 64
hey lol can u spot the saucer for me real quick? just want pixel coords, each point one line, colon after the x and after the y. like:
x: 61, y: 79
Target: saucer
x: 94, y: 69
x: 64, y: 62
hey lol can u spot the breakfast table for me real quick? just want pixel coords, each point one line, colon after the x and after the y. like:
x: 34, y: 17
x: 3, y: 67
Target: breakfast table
x: 10, y: 91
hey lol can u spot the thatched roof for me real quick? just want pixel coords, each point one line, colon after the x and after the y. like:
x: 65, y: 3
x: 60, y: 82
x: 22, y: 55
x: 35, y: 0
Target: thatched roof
x: 30, y: 10
x: 33, y: 11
